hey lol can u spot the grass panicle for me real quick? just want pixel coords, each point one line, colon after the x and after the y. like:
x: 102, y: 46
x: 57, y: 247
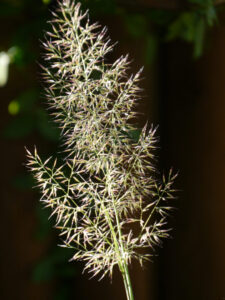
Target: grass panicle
x: 107, y: 201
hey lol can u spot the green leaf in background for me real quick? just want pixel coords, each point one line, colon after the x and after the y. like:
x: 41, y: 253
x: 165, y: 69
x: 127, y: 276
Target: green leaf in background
x: 136, y: 25
x: 191, y: 27
x: 23, y: 182
x: 199, y: 38
x: 44, y: 224
x: 17, y: 55
x: 44, y: 271
x: 14, y: 107
x: 211, y: 15
x: 20, y: 127
x: 8, y: 9
x: 207, y: 10
x: 135, y: 134
x: 151, y: 49
x: 46, y: 1
x: 45, y: 127
x: 97, y: 7
x: 21, y: 41
x: 161, y: 17
x: 24, y: 102
x: 53, y: 266
x: 183, y: 27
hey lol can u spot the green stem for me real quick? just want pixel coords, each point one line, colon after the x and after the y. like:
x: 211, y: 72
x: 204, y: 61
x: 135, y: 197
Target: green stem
x: 124, y: 268
x: 119, y: 246
x: 121, y: 262
x: 127, y: 283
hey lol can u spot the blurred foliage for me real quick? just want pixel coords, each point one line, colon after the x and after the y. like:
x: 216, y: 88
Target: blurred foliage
x: 191, y: 26
x: 29, y: 116
x: 157, y: 25
x: 27, y: 21
x: 23, y: 182
x: 54, y: 267
x: 4, y: 68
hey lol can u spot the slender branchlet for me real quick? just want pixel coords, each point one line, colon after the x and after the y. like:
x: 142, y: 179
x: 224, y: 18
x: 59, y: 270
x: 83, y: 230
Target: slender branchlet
x: 108, y: 203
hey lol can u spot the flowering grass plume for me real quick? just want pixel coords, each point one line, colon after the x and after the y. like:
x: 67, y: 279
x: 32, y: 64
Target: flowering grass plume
x: 107, y: 180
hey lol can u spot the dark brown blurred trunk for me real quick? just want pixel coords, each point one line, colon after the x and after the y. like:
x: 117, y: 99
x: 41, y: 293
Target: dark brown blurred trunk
x: 193, y: 126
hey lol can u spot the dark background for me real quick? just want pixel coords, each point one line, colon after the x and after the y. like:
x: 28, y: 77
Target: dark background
x: 182, y: 46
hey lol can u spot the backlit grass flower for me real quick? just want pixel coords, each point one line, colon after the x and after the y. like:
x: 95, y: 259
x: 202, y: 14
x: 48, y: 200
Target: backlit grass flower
x: 108, y: 203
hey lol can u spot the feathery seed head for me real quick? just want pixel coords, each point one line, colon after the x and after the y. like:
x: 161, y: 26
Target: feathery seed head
x: 107, y: 180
